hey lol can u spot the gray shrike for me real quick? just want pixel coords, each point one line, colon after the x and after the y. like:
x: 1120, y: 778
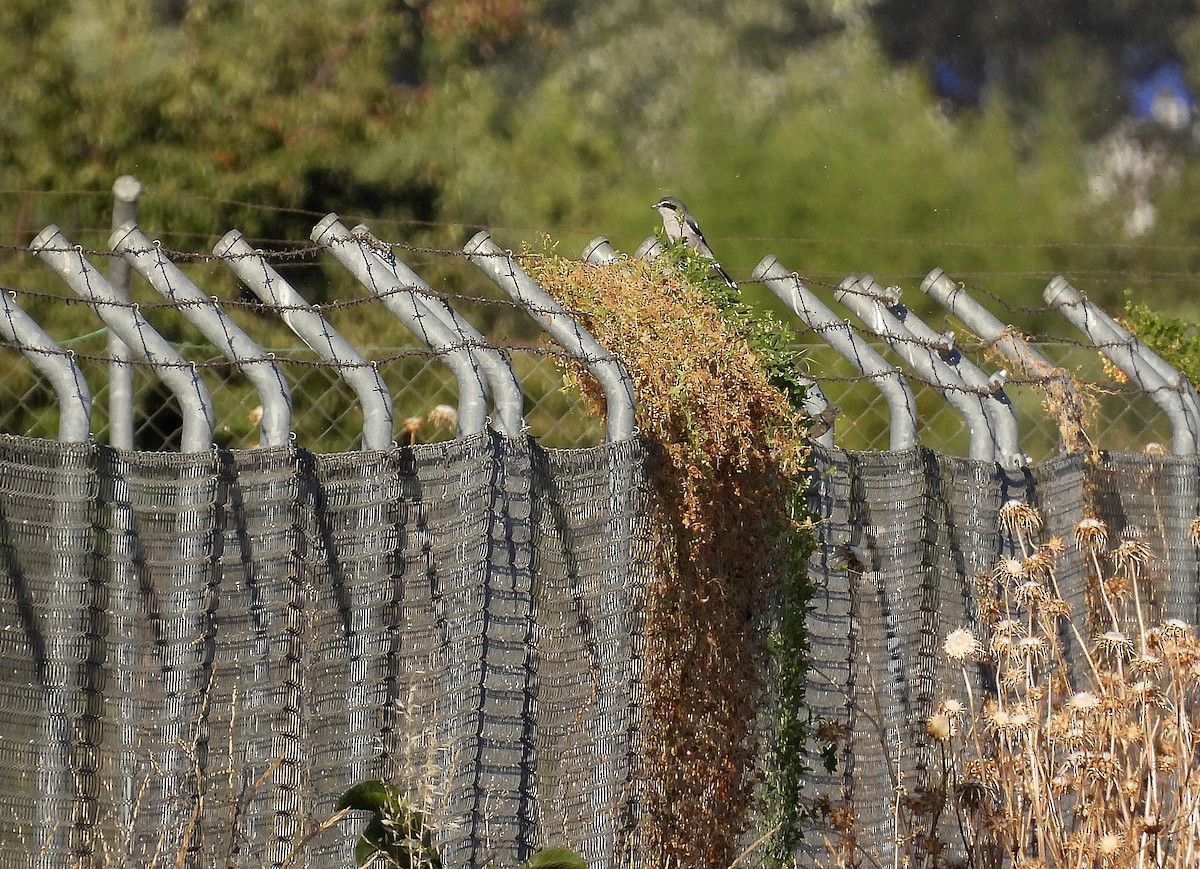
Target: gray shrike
x: 679, y: 223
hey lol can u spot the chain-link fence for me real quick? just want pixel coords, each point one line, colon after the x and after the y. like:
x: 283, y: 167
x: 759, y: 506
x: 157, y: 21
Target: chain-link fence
x: 1123, y: 417
x: 328, y: 419
x: 326, y: 415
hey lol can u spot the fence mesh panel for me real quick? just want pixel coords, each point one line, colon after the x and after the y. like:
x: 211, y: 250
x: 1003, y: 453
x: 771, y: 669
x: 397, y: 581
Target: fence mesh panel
x: 203, y: 651
x: 902, y: 538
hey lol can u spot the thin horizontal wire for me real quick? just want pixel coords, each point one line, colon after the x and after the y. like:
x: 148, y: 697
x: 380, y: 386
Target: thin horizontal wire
x: 217, y: 362
x: 427, y: 292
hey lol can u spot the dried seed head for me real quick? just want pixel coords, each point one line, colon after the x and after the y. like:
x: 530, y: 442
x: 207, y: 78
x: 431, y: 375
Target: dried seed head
x: 1001, y: 645
x: 1131, y: 556
x: 953, y: 708
x: 1101, y: 767
x: 961, y: 645
x: 940, y: 726
x: 1055, y: 546
x: 1029, y: 594
x: 1039, y: 566
x: 1131, y: 732
x: 443, y: 415
x: 841, y: 818
x: 1083, y: 702
x: 1174, y: 630
x: 1145, y: 691
x: 1091, y: 534
x: 1116, y: 644
x: 1194, y: 532
x: 1109, y: 844
x: 1033, y: 649
x: 1021, y: 719
x: 997, y: 716
x: 1017, y: 517
x: 831, y: 732
x: 1056, y: 608
x: 1009, y: 628
x: 1148, y: 663
x: 1009, y: 570
x: 1155, y: 449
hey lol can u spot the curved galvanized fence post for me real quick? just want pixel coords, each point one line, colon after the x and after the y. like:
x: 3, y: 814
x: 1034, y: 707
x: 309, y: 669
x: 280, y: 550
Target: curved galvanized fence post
x: 600, y: 252
x: 923, y: 360
x: 178, y: 375
x: 499, y: 265
x: 839, y: 335
x: 203, y: 312
x: 56, y: 365
x: 649, y: 250
x: 68, y: 786
x: 1129, y: 355
x: 507, y: 398
x: 362, y: 377
x: 403, y: 302
x: 996, y: 403
x: 1013, y: 347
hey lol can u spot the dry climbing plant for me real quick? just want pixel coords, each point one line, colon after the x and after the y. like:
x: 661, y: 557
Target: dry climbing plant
x: 731, y: 452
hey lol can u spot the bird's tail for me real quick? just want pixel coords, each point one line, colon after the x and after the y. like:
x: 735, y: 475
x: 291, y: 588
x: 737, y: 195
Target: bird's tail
x: 724, y: 274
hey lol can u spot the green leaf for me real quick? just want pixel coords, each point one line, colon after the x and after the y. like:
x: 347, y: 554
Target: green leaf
x: 368, y: 796
x: 556, y: 858
x: 370, y: 841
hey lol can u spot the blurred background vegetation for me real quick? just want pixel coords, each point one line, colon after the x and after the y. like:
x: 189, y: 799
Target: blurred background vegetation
x: 1003, y: 140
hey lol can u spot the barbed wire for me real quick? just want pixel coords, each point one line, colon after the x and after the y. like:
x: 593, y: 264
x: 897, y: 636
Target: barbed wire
x: 933, y: 346
x: 282, y: 357
x: 150, y: 193
x: 311, y: 251
x: 308, y: 253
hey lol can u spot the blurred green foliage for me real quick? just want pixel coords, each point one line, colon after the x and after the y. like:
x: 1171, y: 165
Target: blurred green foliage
x: 1174, y: 339
x: 806, y: 126
x: 810, y: 129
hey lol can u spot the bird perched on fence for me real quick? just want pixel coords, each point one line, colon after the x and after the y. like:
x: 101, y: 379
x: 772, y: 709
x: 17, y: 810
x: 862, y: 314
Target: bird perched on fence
x: 679, y: 223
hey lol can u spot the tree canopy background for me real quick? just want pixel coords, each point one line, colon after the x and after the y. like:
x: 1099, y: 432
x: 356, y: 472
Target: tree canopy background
x: 998, y: 140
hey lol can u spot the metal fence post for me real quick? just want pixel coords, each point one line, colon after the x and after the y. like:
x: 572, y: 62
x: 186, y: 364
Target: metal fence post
x: 837, y: 333
x: 126, y: 191
x: 55, y: 364
x: 507, y: 397
x: 649, y: 250
x: 1010, y: 344
x: 818, y: 408
x: 498, y: 265
x: 1128, y: 354
x: 315, y: 331
x: 403, y: 302
x: 996, y: 403
x: 922, y: 359
x: 600, y: 252
x: 203, y: 312
x: 178, y: 375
